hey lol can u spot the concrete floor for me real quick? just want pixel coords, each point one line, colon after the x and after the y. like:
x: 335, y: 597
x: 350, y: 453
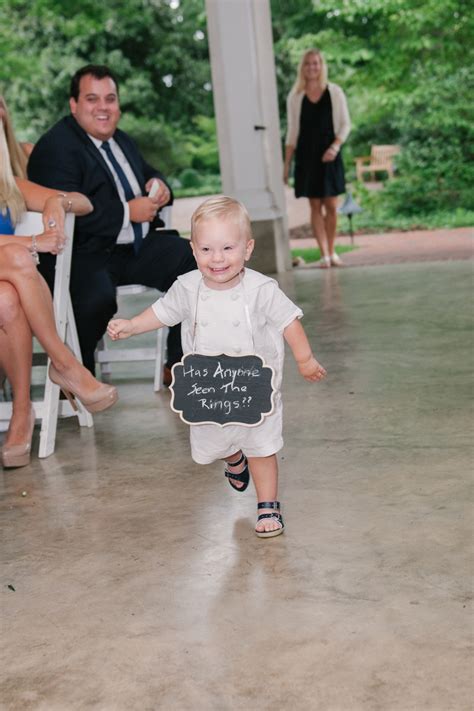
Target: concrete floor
x: 139, y: 584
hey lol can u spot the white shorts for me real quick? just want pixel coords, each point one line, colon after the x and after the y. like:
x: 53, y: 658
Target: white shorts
x: 211, y: 442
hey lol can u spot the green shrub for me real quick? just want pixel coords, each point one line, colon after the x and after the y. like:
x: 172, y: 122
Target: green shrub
x: 190, y: 178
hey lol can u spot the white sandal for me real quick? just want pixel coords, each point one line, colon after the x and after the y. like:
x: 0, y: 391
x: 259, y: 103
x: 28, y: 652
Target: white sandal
x: 324, y: 263
x: 336, y: 261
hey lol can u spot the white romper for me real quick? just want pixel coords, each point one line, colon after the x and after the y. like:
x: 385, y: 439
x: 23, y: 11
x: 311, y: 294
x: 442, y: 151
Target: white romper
x: 222, y: 327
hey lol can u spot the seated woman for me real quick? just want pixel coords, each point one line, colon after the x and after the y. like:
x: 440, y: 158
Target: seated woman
x: 26, y: 307
x: 18, y: 152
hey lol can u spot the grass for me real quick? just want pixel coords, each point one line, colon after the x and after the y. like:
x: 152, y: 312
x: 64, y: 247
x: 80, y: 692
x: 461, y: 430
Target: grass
x: 313, y: 254
x: 371, y: 221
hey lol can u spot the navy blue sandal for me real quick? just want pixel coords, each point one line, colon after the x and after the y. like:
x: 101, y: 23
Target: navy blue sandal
x: 242, y: 476
x: 275, y: 516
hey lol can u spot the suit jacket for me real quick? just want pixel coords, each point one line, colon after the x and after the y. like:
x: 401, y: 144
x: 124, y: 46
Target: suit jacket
x: 66, y: 159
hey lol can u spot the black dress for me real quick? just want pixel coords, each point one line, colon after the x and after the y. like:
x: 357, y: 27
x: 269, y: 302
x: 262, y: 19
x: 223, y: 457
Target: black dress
x: 313, y: 178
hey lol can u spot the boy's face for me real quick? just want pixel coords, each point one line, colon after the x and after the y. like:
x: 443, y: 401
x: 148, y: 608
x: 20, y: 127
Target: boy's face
x: 221, y: 249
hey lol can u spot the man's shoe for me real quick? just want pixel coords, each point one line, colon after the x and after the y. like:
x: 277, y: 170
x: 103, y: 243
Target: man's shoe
x: 167, y: 376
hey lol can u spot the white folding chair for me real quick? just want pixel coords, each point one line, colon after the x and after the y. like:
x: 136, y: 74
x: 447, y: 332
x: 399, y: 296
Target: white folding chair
x: 51, y: 407
x: 121, y: 354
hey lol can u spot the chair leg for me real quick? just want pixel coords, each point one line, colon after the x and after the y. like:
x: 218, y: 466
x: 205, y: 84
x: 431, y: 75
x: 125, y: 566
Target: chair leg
x: 105, y: 366
x: 161, y: 336
x: 49, y: 421
x: 72, y: 340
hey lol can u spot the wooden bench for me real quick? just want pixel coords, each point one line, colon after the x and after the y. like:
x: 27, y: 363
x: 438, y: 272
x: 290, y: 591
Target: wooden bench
x: 381, y: 158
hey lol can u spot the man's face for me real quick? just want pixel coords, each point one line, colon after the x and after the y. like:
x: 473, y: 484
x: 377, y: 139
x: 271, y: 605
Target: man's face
x: 97, y: 108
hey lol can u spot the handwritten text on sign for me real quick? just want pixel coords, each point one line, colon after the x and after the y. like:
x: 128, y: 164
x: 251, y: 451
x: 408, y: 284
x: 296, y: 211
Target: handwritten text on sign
x: 222, y: 389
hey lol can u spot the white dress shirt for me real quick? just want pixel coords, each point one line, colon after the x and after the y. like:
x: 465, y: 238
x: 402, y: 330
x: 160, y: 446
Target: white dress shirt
x: 126, y: 234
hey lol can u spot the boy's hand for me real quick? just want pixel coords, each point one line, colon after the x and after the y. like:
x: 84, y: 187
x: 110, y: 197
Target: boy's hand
x: 312, y: 370
x: 119, y: 328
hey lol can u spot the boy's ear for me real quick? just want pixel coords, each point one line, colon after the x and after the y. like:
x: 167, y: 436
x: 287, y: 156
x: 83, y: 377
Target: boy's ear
x: 249, y: 249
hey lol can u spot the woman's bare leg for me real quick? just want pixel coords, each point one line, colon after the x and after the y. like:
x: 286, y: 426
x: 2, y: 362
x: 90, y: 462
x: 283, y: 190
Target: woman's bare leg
x: 17, y: 268
x: 264, y: 472
x: 330, y: 222
x: 318, y: 225
x: 15, y: 361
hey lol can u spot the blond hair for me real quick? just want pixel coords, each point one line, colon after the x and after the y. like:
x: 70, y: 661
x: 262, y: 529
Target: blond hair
x: 300, y: 83
x: 11, y: 198
x: 18, y: 158
x: 224, y: 208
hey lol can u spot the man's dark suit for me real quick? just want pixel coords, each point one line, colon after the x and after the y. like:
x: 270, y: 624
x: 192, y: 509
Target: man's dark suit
x: 66, y: 159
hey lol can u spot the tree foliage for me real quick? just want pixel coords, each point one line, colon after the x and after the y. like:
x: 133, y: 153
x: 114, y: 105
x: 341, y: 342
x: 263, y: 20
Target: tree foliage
x: 402, y: 63
x: 157, y: 48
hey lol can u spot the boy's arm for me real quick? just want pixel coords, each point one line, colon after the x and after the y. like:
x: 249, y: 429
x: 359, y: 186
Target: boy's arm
x: 119, y: 328
x: 308, y: 366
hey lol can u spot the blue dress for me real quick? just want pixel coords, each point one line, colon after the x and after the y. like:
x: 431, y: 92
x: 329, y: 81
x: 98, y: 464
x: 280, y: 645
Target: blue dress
x: 6, y: 225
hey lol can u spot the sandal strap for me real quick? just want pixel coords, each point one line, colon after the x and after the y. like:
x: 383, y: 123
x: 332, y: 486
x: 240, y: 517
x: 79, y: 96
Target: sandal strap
x: 268, y: 505
x: 243, y: 458
x: 278, y: 517
x: 243, y: 476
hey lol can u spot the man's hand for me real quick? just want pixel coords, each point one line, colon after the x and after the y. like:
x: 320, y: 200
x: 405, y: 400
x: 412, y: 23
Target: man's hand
x: 120, y: 328
x: 143, y: 209
x: 312, y: 370
x: 162, y: 195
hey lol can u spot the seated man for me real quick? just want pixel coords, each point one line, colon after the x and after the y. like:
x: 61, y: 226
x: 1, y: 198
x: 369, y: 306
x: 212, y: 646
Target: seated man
x: 120, y: 241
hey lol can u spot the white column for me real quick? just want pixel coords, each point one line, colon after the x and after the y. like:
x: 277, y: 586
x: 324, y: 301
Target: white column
x: 248, y: 127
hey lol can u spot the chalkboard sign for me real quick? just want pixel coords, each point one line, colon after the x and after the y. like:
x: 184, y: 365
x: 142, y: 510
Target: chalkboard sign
x: 222, y: 389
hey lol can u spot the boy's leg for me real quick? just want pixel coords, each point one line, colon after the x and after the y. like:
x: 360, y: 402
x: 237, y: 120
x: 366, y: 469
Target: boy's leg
x: 264, y: 472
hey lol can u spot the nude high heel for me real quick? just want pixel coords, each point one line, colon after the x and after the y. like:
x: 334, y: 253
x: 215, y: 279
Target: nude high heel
x: 18, y: 455
x: 103, y: 397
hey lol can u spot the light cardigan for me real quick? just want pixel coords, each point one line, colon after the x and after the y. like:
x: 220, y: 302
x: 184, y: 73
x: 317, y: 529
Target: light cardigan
x: 340, y: 114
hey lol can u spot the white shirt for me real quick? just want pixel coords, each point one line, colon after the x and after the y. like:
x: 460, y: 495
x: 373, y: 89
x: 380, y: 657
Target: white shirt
x: 126, y: 234
x: 249, y: 318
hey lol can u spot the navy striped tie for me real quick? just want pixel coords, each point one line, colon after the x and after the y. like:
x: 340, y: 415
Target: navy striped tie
x: 127, y: 188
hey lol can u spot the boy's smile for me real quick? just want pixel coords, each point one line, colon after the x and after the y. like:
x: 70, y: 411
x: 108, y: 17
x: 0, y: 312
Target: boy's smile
x: 221, y: 248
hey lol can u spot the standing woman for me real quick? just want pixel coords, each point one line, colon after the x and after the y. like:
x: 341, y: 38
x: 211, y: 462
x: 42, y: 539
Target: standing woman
x: 318, y: 125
